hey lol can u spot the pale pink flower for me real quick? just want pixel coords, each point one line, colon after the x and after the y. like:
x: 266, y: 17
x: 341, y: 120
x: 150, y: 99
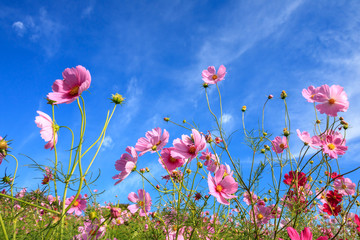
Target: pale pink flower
x: 211, y: 161
x: 250, y: 198
x: 345, y: 186
x: 279, y: 144
x: 78, y: 206
x: 125, y: 164
x: 306, y: 234
x: 222, y: 187
x: 262, y: 214
x: 331, y: 100
x: 47, y: 126
x: 210, y: 76
x: 333, y: 145
x: 310, y: 93
x: 154, y: 141
x: 168, y: 162
x: 91, y: 230
x: 142, y: 201
x: 305, y: 137
x: 75, y: 81
x: 189, y: 147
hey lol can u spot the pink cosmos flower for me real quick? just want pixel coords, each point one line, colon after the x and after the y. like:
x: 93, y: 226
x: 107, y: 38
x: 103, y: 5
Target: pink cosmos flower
x: 210, y: 76
x: 154, y: 141
x: 345, y: 186
x: 168, y: 162
x: 142, y: 201
x: 222, y: 187
x: 332, y: 100
x: 250, y: 198
x: 125, y: 164
x: 211, y: 161
x: 75, y: 81
x: 279, y: 144
x: 310, y: 93
x: 306, y: 234
x: 78, y: 206
x: 357, y: 221
x: 46, y: 124
x: 91, y: 230
x: 189, y: 147
x: 305, y: 137
x: 262, y: 215
x: 333, y: 145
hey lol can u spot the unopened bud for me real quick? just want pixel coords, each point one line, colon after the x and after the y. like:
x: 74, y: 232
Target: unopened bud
x: 166, y: 119
x: 142, y: 170
x: 318, y: 121
x: 320, y: 181
x: 283, y: 94
x: 269, y: 191
x: 157, y: 186
x: 286, y: 132
x: 205, y: 85
x: 267, y: 147
x: 147, y: 169
x: 341, y: 118
x: 311, y: 162
x: 188, y: 171
x: 264, y: 134
x: 270, y: 96
x: 200, y: 165
x: 243, y: 108
x: 265, y: 199
x: 3, y: 144
x: 263, y: 150
x: 117, y: 99
x: 184, y: 121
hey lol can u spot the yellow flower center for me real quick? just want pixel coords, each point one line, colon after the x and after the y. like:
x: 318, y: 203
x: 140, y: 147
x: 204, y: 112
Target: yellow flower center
x: 219, y: 188
x: 172, y: 159
x: 331, y: 101
x: 141, y: 203
x: 207, y: 157
x: 331, y: 146
x: 76, y: 203
x: 282, y: 145
x: 74, y: 91
x: 214, y: 77
x: 260, y: 216
x: 192, y: 149
x: 344, y: 186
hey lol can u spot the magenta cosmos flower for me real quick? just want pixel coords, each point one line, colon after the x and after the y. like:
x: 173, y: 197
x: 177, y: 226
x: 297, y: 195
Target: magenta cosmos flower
x: 210, y: 76
x: 125, y: 164
x: 189, y: 147
x: 75, y: 81
x: 306, y: 234
x: 279, y: 144
x: 142, y: 201
x: 222, y: 187
x: 331, y: 100
x: 168, y: 162
x: 47, y: 126
x: 345, y: 186
x: 78, y: 206
x: 154, y: 141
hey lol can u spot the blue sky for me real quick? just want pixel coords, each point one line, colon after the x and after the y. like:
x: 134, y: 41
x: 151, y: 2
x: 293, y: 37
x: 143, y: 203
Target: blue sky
x: 153, y: 53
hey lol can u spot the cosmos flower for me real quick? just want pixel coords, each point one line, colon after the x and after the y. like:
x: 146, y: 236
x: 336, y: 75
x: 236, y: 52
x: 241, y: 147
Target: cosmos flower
x: 153, y: 142
x: 331, y: 100
x: 75, y: 81
x: 142, y: 201
x: 279, y: 144
x: 210, y: 76
x: 189, y: 147
x: 46, y: 124
x: 222, y: 187
x: 78, y: 206
x: 168, y: 162
x: 125, y: 164
x: 306, y: 234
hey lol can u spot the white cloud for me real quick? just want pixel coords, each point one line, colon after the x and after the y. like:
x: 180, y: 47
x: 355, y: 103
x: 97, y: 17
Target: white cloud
x: 107, y: 143
x: 226, y: 118
x: 19, y: 28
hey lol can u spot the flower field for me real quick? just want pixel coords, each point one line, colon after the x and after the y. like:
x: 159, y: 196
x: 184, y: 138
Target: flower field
x: 204, y: 193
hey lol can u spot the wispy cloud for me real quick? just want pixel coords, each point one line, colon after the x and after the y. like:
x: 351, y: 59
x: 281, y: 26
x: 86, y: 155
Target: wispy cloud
x: 19, y: 28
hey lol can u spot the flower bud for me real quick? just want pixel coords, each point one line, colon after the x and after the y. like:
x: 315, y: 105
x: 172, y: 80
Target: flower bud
x: 270, y: 96
x: 311, y: 162
x: 264, y: 134
x: 283, y: 94
x: 142, y: 170
x: 205, y: 85
x: 147, y: 169
x: 166, y: 119
x: 265, y: 199
x: 188, y: 171
x: 263, y: 150
x: 243, y: 108
x: 92, y: 215
x: 3, y: 144
x: 269, y: 191
x: 318, y: 121
x: 320, y: 181
x: 200, y: 165
x: 157, y: 186
x: 341, y: 118
x: 267, y: 147
x: 117, y: 98
x: 184, y: 121
x: 286, y: 132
